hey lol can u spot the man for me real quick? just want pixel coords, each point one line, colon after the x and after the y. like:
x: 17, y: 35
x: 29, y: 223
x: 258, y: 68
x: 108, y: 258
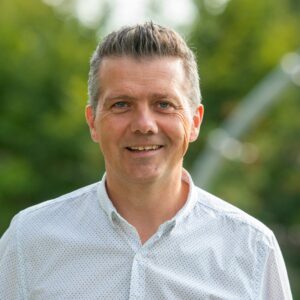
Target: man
x: 144, y: 231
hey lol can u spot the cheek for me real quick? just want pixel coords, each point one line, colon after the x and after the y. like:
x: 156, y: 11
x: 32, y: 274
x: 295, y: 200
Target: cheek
x: 185, y: 125
x: 111, y: 127
x: 102, y: 116
x: 106, y: 122
x: 102, y: 123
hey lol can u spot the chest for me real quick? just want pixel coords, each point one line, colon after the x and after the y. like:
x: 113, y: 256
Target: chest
x: 168, y: 269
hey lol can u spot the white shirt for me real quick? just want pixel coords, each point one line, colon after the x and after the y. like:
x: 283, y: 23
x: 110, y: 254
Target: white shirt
x: 78, y: 247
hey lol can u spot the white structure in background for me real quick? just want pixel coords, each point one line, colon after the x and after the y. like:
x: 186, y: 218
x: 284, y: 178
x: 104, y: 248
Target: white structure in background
x: 224, y: 142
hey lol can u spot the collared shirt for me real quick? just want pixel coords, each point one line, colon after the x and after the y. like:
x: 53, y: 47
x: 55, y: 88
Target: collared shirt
x: 79, y: 247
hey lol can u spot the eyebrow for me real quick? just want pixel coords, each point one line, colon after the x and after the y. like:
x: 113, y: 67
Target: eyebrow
x: 160, y: 96
x: 118, y: 97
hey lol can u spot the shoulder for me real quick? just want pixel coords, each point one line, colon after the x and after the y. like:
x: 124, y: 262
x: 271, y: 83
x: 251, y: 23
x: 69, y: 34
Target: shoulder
x: 56, y: 211
x: 229, y: 215
x: 68, y: 200
x: 247, y: 246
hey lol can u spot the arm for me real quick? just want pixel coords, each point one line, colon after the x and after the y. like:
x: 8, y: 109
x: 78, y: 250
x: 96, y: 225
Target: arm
x: 274, y: 279
x: 11, y: 285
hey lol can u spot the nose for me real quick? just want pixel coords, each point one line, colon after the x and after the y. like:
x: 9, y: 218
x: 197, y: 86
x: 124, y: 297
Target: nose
x: 144, y: 121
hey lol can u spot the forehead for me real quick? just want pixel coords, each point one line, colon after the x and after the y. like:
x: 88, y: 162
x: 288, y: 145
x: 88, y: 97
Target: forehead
x: 155, y: 62
x: 156, y: 72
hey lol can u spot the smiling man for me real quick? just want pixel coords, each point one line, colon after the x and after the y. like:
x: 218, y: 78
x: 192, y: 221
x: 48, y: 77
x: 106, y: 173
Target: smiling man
x: 143, y: 123
x: 144, y: 231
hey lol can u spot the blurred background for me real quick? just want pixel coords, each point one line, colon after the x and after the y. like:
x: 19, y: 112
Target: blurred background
x: 248, y: 152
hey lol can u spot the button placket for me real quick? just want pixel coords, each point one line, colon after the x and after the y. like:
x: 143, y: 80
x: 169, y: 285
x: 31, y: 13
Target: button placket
x: 137, y: 282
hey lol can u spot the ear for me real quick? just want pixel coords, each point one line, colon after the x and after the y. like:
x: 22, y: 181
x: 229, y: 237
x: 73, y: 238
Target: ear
x: 90, y: 119
x: 196, y: 123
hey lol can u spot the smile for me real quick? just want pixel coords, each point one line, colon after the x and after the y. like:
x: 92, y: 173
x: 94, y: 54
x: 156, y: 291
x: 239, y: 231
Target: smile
x: 144, y: 148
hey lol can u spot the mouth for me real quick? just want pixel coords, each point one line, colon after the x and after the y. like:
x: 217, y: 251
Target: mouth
x: 144, y: 148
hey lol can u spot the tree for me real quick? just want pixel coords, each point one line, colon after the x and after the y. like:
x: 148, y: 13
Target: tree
x: 45, y: 147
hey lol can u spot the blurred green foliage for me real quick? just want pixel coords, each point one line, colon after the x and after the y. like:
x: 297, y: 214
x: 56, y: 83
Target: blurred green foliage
x: 45, y: 149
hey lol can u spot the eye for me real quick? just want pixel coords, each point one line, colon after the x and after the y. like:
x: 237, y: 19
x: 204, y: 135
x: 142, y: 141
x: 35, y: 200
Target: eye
x: 120, y: 106
x: 165, y: 106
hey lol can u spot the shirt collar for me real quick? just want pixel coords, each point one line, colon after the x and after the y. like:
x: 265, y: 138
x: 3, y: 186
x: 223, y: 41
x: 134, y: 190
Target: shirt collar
x: 190, y: 201
x: 105, y: 202
x: 113, y: 214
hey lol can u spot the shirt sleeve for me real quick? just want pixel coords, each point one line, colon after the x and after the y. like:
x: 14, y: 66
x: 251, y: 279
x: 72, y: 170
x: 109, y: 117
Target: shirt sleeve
x: 10, y: 267
x: 274, y: 281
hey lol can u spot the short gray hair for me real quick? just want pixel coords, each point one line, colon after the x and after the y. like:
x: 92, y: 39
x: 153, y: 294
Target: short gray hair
x: 143, y: 41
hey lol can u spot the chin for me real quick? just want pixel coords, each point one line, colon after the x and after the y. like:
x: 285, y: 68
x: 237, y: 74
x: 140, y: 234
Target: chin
x: 144, y: 175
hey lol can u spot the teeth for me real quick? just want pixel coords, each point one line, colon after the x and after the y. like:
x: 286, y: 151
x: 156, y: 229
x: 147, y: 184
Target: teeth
x: 144, y: 148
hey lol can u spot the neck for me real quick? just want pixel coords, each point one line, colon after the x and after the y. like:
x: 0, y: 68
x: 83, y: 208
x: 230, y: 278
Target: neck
x: 147, y: 205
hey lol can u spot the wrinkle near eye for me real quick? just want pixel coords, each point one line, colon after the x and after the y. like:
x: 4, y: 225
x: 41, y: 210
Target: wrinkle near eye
x: 103, y: 113
x: 186, y: 127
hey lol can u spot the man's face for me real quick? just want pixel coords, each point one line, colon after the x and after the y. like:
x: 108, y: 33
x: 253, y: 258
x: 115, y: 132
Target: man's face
x: 143, y: 121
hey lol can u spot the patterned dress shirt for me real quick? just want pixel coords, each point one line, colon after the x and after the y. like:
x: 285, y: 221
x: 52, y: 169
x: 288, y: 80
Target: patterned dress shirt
x: 79, y: 247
